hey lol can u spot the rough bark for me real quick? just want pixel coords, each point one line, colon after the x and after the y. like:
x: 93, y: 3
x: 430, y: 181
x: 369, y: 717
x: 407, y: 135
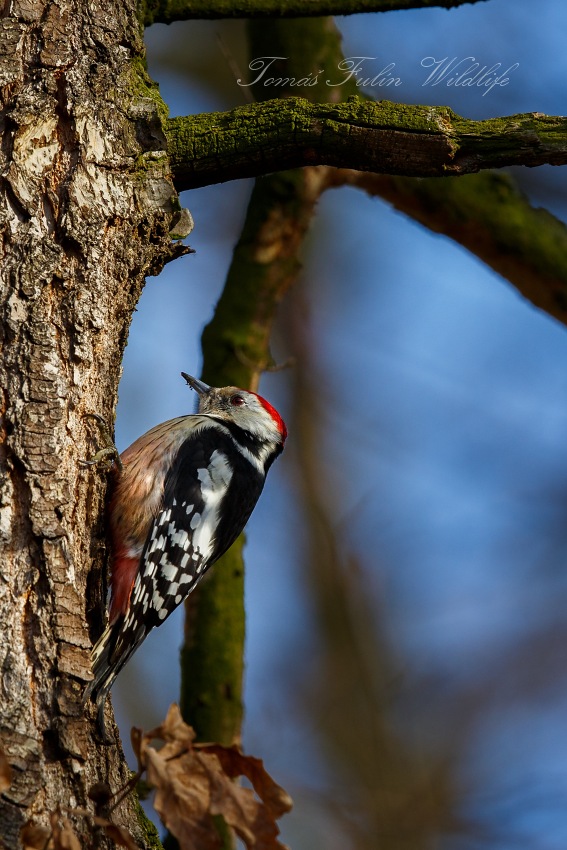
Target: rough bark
x: 86, y: 206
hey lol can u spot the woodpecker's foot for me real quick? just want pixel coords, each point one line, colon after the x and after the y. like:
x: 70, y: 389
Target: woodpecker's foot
x: 108, y: 454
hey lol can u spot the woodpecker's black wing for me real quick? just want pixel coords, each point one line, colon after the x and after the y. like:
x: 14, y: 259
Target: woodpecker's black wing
x: 209, y: 494
x: 208, y: 497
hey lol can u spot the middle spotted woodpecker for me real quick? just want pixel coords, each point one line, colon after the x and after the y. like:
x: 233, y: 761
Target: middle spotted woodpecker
x: 183, y: 494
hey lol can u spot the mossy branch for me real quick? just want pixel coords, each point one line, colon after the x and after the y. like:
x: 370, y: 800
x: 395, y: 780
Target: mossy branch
x: 383, y: 137
x: 168, y: 11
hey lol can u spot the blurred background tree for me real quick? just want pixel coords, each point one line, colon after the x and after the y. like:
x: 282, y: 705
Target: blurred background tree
x: 405, y: 675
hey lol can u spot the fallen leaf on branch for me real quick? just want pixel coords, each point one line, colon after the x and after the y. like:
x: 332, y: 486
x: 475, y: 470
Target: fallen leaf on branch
x: 195, y: 782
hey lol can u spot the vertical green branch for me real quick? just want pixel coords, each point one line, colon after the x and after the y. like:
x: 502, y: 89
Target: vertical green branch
x: 236, y: 349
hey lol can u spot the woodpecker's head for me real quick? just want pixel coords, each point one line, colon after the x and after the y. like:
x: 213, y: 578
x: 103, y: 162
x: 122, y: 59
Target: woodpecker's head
x: 248, y: 410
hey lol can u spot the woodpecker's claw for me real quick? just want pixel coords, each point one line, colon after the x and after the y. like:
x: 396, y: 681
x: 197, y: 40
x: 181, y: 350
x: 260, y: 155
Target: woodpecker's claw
x: 109, y: 454
x: 102, y: 457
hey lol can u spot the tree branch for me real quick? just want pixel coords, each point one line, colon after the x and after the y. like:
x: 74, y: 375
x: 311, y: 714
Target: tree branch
x: 168, y: 11
x: 488, y: 215
x: 383, y: 137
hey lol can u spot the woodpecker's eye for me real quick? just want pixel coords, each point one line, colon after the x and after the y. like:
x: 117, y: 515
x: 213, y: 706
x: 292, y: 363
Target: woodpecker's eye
x: 237, y: 401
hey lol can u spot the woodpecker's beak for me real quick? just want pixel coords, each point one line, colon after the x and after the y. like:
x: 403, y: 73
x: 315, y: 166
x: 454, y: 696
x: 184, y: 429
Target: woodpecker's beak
x: 196, y: 385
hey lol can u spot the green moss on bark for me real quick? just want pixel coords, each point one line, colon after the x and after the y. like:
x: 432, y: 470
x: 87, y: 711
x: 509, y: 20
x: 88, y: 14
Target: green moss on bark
x: 151, y: 839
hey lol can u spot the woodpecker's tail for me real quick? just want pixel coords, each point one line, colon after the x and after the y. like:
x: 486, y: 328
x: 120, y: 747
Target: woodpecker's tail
x: 108, y: 658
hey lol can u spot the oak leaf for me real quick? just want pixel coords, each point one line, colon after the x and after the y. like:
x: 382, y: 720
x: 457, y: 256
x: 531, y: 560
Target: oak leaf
x: 195, y: 783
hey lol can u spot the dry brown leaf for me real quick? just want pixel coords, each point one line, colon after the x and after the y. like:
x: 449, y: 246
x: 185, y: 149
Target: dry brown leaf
x: 234, y: 764
x: 174, y: 729
x: 5, y: 772
x: 116, y: 833
x: 248, y: 816
x: 182, y: 797
x: 195, y: 783
x: 34, y: 837
x: 64, y: 837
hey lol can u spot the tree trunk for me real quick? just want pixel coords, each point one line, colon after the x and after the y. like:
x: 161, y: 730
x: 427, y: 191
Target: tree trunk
x: 86, y: 206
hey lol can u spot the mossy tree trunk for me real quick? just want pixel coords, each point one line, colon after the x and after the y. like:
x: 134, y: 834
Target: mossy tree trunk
x: 86, y: 206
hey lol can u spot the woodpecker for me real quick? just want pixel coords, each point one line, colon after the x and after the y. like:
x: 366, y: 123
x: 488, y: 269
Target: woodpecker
x: 181, y: 495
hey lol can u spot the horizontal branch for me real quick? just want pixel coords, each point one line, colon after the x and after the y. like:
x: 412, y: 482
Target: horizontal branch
x: 492, y: 218
x: 168, y: 11
x: 382, y: 137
